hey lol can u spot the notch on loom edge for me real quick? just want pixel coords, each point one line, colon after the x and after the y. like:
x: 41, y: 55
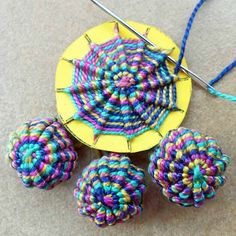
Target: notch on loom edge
x: 177, y: 109
x: 129, y: 144
x: 61, y: 90
x: 69, y: 120
x: 68, y: 60
x: 159, y: 133
x: 95, y: 139
x: 88, y: 39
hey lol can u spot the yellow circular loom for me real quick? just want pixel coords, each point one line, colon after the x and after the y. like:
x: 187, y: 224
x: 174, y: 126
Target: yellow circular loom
x: 117, y: 143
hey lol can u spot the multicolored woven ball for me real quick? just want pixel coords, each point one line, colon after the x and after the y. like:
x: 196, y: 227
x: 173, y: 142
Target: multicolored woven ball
x: 42, y: 153
x: 110, y: 190
x: 188, y: 166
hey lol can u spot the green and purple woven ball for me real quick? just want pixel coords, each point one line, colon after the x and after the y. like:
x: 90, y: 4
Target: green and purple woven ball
x: 188, y: 166
x: 42, y: 153
x: 110, y: 190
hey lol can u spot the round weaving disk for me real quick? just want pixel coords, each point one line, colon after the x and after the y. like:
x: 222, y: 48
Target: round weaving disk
x: 136, y: 97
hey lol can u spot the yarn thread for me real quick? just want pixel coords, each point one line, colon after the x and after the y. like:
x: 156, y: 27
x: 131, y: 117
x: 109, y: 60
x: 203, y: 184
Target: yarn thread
x: 188, y: 166
x: 110, y: 190
x: 122, y: 87
x: 182, y: 52
x: 186, y: 35
x: 225, y: 71
x: 42, y: 153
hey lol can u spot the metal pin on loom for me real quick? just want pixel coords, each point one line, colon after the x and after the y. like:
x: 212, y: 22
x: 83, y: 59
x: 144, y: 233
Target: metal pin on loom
x: 203, y: 83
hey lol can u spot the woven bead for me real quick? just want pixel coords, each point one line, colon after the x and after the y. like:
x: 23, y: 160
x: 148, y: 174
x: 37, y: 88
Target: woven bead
x: 188, y: 166
x: 110, y: 190
x: 42, y: 153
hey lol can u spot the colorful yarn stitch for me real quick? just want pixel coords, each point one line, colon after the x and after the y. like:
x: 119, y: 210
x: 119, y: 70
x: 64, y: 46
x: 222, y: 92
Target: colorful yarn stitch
x: 188, y: 166
x: 122, y: 87
x: 225, y: 71
x: 186, y: 34
x: 42, y: 153
x: 110, y: 190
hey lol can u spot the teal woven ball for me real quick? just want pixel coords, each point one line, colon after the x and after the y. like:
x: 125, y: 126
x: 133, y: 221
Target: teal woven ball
x: 188, y: 166
x: 110, y: 190
x: 42, y: 153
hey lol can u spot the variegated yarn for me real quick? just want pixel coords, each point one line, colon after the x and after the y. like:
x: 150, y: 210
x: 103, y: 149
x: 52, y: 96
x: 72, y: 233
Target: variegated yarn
x: 122, y: 87
x: 42, y: 153
x: 110, y: 190
x: 221, y: 75
x: 188, y: 166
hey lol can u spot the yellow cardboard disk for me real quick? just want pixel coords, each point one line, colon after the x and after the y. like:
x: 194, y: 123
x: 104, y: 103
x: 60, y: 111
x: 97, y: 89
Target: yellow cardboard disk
x: 116, y: 143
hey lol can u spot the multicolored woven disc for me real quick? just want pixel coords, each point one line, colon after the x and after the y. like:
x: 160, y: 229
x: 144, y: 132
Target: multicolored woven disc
x: 115, y: 93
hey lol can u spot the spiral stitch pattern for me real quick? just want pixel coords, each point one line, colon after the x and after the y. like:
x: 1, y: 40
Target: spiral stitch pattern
x: 188, y: 167
x: 122, y: 87
x: 42, y: 153
x: 110, y: 190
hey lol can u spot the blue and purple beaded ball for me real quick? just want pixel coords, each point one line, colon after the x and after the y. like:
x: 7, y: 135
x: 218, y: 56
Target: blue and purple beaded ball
x: 188, y: 166
x: 110, y: 190
x: 42, y: 153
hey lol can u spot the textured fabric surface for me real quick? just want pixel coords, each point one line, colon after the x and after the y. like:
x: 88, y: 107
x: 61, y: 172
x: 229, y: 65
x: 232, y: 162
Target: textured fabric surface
x: 188, y: 166
x: 122, y: 87
x: 110, y: 190
x: 33, y: 36
x: 42, y: 153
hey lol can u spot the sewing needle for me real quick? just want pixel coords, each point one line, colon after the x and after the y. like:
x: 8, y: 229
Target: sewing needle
x: 196, y: 77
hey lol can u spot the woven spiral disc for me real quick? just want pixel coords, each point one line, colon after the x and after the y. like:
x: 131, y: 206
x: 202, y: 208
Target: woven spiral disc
x: 188, y: 166
x: 116, y: 93
x: 42, y: 153
x: 110, y: 190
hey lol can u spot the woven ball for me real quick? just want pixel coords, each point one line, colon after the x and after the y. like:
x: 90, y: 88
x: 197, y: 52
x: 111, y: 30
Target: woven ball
x: 42, y: 153
x: 110, y: 190
x: 188, y: 166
